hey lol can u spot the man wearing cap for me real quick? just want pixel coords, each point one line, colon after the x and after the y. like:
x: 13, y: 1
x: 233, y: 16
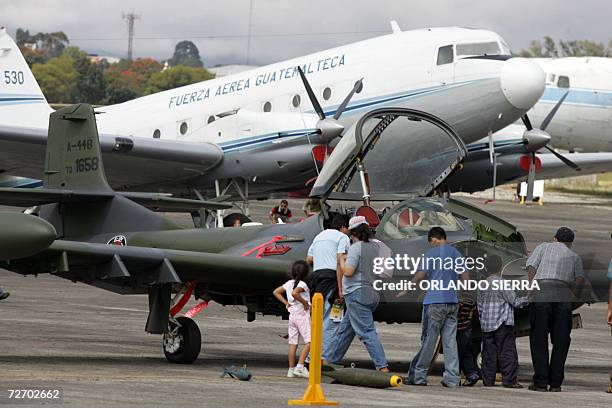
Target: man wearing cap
x: 558, y: 272
x: 360, y: 296
x: 326, y: 255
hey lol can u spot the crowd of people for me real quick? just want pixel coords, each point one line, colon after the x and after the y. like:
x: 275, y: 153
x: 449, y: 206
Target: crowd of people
x: 342, y: 259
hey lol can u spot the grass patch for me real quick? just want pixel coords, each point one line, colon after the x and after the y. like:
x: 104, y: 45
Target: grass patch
x: 591, y: 191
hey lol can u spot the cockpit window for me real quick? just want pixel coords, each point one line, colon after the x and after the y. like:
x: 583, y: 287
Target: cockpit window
x: 445, y: 55
x: 563, y: 81
x: 505, y: 49
x: 415, y: 218
x: 484, y: 48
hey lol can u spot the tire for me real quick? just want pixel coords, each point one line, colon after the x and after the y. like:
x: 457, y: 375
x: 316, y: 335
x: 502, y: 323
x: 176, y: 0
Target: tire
x: 182, y: 344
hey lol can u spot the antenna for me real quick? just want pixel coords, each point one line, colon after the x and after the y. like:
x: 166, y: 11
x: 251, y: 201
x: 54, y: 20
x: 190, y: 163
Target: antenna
x: 130, y: 17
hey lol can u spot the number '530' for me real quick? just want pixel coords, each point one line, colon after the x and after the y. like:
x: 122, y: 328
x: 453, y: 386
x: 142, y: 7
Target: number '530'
x: 13, y: 77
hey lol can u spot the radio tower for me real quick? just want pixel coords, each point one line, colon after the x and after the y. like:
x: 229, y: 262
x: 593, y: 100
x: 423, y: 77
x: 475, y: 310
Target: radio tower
x: 130, y: 17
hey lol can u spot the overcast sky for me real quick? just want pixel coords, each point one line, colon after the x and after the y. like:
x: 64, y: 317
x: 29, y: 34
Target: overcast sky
x: 286, y: 28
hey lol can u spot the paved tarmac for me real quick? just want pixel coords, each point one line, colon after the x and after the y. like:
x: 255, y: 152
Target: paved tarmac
x: 92, y: 344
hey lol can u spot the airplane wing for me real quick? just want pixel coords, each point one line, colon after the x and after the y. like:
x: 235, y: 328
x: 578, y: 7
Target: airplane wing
x: 131, y: 162
x: 131, y: 270
x: 477, y: 172
x: 590, y: 163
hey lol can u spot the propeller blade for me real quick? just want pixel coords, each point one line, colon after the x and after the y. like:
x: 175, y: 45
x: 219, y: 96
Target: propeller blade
x: 526, y: 122
x: 531, y: 179
x: 311, y: 95
x: 356, y: 88
x: 564, y: 159
x: 552, y: 112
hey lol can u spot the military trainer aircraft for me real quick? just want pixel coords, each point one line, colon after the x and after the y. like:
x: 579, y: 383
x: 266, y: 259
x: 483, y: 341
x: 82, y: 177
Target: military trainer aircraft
x: 86, y: 232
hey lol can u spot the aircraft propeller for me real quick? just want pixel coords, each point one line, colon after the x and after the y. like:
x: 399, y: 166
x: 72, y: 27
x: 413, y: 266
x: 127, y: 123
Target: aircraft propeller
x: 534, y: 139
x: 537, y: 138
x: 329, y: 128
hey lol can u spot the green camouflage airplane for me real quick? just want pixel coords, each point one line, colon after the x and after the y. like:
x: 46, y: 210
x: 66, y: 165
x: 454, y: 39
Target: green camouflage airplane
x: 86, y: 232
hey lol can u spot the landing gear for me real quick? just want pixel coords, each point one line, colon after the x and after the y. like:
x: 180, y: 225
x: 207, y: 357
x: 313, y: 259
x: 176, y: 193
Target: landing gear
x: 183, y: 342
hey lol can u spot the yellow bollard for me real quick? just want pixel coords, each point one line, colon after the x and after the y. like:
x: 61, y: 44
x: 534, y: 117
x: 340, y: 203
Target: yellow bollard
x: 314, y: 393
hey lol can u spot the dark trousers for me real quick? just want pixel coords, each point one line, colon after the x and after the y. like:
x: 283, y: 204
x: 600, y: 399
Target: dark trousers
x: 554, y: 318
x: 467, y: 360
x: 499, y: 354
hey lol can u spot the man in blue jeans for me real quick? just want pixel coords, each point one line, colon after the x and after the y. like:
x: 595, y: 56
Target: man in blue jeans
x: 440, y: 268
x: 326, y: 252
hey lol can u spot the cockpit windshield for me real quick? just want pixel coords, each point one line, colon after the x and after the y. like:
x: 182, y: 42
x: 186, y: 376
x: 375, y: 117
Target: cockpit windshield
x: 480, y: 48
x: 415, y: 218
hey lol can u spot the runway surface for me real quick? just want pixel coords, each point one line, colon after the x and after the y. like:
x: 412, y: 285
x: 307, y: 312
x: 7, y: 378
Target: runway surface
x: 92, y: 344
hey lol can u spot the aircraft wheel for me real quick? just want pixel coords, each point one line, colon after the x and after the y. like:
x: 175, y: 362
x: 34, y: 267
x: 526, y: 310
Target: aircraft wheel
x: 183, y: 342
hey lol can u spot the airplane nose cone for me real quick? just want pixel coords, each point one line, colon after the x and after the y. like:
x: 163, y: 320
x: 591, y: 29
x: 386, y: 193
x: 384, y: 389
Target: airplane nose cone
x: 23, y: 235
x: 522, y: 82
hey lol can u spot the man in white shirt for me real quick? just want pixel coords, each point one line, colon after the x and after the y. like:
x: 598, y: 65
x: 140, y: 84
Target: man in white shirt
x: 326, y: 254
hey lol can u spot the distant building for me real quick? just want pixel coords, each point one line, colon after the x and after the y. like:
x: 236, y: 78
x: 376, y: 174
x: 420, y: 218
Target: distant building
x: 224, y: 70
x: 31, y: 46
x: 96, y: 59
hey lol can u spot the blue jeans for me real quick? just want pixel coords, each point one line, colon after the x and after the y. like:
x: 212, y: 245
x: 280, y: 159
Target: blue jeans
x: 442, y: 321
x: 424, y: 323
x: 330, y: 330
x: 358, y: 319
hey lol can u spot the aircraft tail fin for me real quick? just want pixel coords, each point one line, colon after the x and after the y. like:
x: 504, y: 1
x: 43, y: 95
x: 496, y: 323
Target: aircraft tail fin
x: 22, y: 102
x: 73, y: 157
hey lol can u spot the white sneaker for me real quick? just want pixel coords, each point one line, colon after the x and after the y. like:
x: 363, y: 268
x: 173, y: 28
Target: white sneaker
x: 301, y: 372
x: 291, y: 372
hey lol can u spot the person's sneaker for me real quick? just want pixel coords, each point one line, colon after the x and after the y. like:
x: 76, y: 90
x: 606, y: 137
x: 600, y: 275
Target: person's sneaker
x: 533, y: 387
x: 470, y: 381
x: 301, y: 372
x: 4, y: 295
x: 445, y: 384
x: 515, y: 385
x: 554, y: 389
x: 290, y: 373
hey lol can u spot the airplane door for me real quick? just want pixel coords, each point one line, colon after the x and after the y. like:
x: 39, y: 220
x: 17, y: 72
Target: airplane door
x: 443, y: 71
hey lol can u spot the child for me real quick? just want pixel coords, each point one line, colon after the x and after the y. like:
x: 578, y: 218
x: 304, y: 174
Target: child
x: 496, y: 312
x: 298, y: 305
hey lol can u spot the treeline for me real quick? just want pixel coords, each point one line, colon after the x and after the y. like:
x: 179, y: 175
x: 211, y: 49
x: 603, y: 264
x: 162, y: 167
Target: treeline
x: 549, y: 48
x: 67, y: 74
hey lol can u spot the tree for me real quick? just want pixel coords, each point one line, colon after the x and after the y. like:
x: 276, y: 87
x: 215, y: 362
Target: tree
x: 90, y: 86
x: 186, y: 53
x: 50, y: 44
x: 175, y: 77
x: 57, y: 78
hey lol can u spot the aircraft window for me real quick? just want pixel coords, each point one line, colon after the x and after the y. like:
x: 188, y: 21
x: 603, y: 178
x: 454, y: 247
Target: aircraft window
x: 563, y: 81
x: 211, y: 119
x: 267, y: 107
x: 327, y: 93
x: 445, y: 55
x: 183, y: 129
x: 505, y: 49
x: 156, y: 134
x: 550, y: 78
x: 416, y: 217
x: 486, y: 48
x: 296, y: 101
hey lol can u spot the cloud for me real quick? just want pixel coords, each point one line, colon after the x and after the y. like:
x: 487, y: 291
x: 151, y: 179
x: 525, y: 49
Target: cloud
x: 286, y: 28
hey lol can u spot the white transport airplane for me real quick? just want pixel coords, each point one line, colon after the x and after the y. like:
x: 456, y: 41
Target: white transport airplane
x: 584, y: 121
x: 259, y: 129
